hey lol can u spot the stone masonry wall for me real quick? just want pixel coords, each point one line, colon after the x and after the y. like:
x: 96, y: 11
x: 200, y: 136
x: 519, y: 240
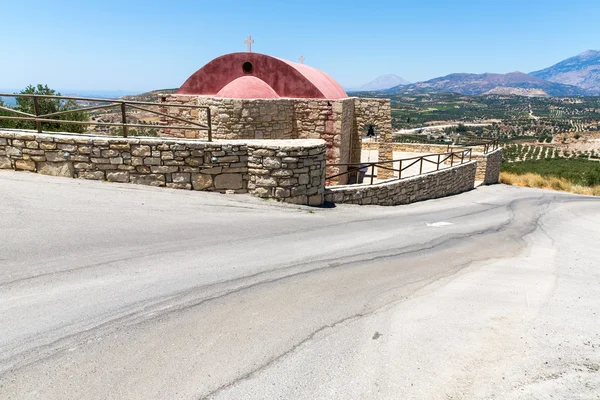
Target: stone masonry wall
x: 376, y: 112
x: 433, y: 185
x: 340, y: 123
x: 287, y: 172
x: 488, y: 166
x: 330, y: 120
x: 221, y: 166
x: 249, y: 119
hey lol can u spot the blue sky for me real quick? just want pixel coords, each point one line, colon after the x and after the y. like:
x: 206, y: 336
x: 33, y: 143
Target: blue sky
x: 144, y: 45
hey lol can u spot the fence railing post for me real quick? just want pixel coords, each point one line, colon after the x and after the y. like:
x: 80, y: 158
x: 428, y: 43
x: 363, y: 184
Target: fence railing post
x: 124, y: 118
x: 400, y: 170
x: 209, y: 124
x: 36, y: 110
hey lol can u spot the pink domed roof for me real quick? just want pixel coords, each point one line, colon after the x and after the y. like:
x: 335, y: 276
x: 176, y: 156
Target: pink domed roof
x: 222, y: 77
x: 247, y: 87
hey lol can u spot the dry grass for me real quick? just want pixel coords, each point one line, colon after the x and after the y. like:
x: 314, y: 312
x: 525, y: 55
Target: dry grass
x: 554, y: 183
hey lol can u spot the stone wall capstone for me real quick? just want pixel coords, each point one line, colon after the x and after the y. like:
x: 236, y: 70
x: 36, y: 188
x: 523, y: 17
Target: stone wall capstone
x: 220, y: 166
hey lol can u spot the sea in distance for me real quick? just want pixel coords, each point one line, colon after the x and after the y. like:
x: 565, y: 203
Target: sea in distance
x: 101, y: 94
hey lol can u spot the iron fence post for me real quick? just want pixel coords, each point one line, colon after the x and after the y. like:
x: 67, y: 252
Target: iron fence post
x: 209, y: 124
x: 124, y: 118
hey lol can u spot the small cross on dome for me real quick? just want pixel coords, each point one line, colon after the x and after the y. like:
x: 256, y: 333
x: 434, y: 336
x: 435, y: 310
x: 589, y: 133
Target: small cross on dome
x: 301, y: 59
x: 249, y: 42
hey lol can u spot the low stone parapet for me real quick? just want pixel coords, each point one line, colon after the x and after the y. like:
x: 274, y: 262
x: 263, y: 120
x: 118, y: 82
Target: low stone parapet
x: 488, y: 166
x: 291, y: 171
x: 450, y: 181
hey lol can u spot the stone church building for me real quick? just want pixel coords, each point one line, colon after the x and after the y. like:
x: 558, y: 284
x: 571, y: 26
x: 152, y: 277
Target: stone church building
x: 256, y: 96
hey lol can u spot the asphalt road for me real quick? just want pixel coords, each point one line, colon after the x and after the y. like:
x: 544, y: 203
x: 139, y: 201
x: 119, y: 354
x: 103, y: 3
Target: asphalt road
x: 112, y: 291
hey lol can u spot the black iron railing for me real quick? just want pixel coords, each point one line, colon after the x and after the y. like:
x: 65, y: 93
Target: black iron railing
x: 357, y: 172
x: 488, y: 144
x: 123, y: 106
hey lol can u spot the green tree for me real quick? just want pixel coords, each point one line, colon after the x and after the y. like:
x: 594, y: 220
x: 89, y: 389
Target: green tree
x: 5, y: 123
x: 48, y: 106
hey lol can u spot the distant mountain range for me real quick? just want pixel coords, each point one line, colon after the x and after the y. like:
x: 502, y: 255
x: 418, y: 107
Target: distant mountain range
x: 575, y: 76
x: 582, y: 71
x: 475, y: 84
x: 384, y: 82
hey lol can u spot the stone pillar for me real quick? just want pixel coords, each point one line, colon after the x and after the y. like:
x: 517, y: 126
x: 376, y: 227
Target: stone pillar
x: 377, y: 112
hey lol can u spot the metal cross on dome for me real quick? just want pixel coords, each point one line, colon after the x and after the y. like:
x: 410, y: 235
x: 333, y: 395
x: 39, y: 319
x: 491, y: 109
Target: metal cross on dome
x: 301, y: 59
x: 249, y: 42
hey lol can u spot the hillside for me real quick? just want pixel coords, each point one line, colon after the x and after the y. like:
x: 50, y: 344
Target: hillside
x: 583, y: 71
x: 475, y: 84
x: 152, y: 96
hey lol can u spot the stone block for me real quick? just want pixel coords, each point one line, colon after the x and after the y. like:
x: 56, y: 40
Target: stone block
x: 163, y: 169
x: 271, y: 162
x: 109, y: 153
x: 282, y: 193
x: 262, y: 192
x: 56, y: 169
x: 228, y: 181
x: 174, y: 185
x: 94, y: 175
x: 316, y: 200
x: 266, y: 181
x: 201, y: 181
x: 167, y: 155
x: 26, y: 165
x: 120, y: 146
x: 13, y: 151
x: 212, y: 171
x: 106, y: 166
x: 228, y: 159
x: 47, y: 146
x: 181, y: 178
x: 263, y: 153
x: 5, y: 163
x: 120, y: 176
x: 148, y: 179
x: 66, y: 147
x: 141, y: 151
x: 152, y: 161
x: 83, y: 165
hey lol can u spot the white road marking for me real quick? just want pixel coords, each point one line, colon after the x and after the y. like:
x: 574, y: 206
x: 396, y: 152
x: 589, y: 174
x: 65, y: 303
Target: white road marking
x: 438, y: 224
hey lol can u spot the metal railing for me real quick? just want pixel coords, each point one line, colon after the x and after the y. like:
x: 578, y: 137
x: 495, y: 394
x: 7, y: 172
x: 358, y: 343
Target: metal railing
x: 124, y: 105
x: 354, y: 170
x: 488, y: 144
